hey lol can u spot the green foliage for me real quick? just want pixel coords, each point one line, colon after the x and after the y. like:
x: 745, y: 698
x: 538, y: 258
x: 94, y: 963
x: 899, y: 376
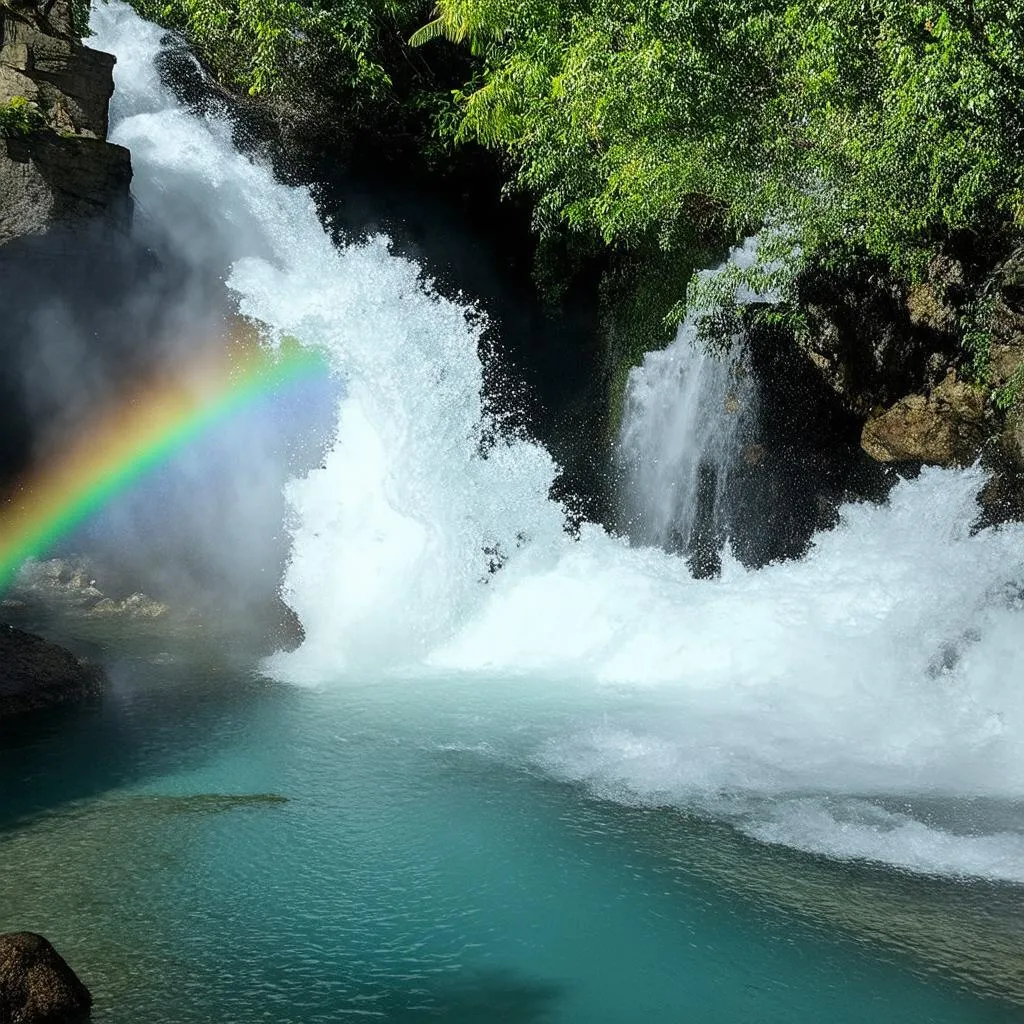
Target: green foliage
x: 978, y: 327
x: 1010, y: 395
x: 20, y: 117
x: 976, y: 333
x: 639, y: 301
x: 80, y: 18
x: 292, y: 46
x: 874, y: 127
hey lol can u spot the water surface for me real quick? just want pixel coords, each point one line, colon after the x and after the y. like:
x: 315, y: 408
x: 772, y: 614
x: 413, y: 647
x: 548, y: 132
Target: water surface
x: 209, y: 845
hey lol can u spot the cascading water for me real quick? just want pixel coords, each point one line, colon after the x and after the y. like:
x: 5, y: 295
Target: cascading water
x: 863, y: 702
x: 682, y: 421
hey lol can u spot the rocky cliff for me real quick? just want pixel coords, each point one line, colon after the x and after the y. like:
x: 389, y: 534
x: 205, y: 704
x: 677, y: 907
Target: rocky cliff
x: 934, y: 372
x: 57, y: 171
x: 56, y: 167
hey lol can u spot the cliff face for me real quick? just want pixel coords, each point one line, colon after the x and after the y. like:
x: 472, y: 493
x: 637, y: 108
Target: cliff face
x: 56, y: 167
x: 896, y: 358
x: 57, y: 171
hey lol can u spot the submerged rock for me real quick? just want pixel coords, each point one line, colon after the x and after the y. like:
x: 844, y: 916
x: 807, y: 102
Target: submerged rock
x: 203, y: 803
x: 36, y: 984
x: 35, y: 674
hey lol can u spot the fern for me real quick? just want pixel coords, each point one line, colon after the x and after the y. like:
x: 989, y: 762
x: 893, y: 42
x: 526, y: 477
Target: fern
x: 436, y: 29
x: 20, y: 117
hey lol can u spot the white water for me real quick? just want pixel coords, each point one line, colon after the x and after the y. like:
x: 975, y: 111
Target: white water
x: 866, y: 701
x: 684, y: 409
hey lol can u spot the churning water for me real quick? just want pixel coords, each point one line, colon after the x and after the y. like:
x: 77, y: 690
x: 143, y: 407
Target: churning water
x: 531, y: 776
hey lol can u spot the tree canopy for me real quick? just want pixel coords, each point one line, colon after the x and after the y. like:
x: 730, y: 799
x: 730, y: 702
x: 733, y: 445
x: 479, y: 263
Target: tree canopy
x: 880, y: 126
x: 875, y: 133
x: 267, y: 46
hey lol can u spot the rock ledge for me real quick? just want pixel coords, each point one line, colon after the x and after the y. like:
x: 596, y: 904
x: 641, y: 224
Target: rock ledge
x: 35, y: 674
x: 56, y: 168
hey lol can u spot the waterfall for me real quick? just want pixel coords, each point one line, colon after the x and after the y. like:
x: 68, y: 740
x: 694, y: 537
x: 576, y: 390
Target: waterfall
x: 683, y: 420
x: 865, y: 701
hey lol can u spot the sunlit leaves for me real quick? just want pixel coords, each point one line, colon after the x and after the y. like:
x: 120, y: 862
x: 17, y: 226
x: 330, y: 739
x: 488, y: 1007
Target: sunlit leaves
x: 264, y: 46
x: 877, y: 125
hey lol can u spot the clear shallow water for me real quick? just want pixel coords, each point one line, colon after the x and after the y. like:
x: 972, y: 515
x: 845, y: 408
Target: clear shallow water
x: 419, y: 866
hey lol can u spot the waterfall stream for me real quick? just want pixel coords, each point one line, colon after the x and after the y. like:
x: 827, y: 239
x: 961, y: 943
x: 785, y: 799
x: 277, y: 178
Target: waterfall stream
x: 684, y: 413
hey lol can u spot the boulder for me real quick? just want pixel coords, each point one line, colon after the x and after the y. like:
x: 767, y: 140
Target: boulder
x: 63, y: 171
x: 35, y: 673
x: 36, y: 984
x: 944, y: 428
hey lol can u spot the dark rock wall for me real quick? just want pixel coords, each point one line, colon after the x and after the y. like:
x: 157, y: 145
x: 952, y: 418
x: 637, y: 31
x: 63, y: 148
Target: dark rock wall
x: 65, y: 171
x: 801, y: 457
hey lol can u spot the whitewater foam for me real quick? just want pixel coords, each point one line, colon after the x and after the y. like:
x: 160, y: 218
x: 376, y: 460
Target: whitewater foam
x: 797, y: 701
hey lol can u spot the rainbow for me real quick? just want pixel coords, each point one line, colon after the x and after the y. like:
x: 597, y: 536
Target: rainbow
x: 134, y: 436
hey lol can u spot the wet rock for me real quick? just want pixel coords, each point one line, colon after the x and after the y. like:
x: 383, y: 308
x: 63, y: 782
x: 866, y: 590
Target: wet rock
x: 71, y: 584
x: 799, y: 458
x: 933, y: 304
x: 48, y: 181
x: 36, y: 984
x: 36, y: 674
x: 63, y: 171
x: 284, y: 630
x: 1011, y: 440
x: 1006, y: 328
x: 944, y: 428
x: 135, y: 606
x: 1002, y: 498
x: 871, y: 339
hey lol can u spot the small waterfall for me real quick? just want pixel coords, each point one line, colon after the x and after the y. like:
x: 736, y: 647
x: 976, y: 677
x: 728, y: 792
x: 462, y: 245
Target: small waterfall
x: 683, y: 423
